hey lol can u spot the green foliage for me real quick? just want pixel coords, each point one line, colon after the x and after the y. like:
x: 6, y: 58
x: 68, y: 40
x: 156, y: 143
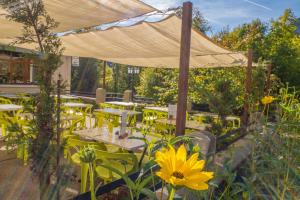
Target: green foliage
x: 138, y: 186
x: 243, y: 37
x: 206, y: 84
x: 159, y: 84
x: 278, y: 43
x: 120, y: 79
x: 283, y: 48
x: 199, y: 22
x: 86, y: 77
x: 272, y: 171
x: 223, y: 99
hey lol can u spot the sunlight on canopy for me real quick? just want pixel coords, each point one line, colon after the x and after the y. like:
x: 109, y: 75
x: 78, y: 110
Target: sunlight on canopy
x: 147, y: 44
x: 76, y: 14
x: 150, y: 45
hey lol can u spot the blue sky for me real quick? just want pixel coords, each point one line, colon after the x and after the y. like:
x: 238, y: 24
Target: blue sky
x: 221, y: 13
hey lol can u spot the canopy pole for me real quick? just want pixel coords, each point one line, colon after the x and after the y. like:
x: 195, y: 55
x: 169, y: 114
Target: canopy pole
x: 248, y: 85
x: 186, y: 29
x: 104, y: 75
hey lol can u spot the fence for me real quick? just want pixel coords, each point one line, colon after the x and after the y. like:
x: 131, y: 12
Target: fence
x: 110, y: 96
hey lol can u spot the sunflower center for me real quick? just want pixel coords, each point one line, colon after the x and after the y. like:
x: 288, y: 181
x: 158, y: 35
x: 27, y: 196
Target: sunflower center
x: 178, y: 175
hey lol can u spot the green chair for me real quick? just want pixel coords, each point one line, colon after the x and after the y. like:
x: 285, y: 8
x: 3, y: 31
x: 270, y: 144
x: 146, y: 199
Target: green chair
x: 150, y: 117
x: 15, y: 133
x: 125, y: 163
x: 82, y: 114
x: 108, y: 105
x: 111, y: 120
x: 5, y: 101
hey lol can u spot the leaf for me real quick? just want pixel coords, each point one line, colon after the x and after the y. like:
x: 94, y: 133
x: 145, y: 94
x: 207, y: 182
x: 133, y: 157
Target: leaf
x: 127, y: 180
x: 149, y: 193
x: 145, y: 181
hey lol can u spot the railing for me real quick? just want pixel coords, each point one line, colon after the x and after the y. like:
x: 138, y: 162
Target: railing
x: 111, y: 96
x: 141, y: 99
x: 84, y: 94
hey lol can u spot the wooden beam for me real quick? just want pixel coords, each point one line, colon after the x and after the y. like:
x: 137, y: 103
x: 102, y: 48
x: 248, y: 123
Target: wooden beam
x: 104, y: 75
x: 248, y: 88
x: 185, y: 47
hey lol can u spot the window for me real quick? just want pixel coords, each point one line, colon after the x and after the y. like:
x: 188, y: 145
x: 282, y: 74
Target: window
x: 15, y: 70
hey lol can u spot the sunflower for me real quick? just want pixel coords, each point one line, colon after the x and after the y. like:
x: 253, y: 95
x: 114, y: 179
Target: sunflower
x: 176, y: 170
x: 267, y: 100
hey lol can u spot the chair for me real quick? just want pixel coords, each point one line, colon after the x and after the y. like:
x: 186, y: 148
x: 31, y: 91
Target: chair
x: 125, y: 163
x: 150, y: 117
x: 5, y: 101
x: 78, y: 114
x: 27, y: 102
x: 15, y: 133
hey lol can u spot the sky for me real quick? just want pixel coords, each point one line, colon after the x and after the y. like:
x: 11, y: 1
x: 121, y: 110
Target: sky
x: 221, y: 13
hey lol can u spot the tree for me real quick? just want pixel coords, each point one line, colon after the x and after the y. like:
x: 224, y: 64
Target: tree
x: 37, y: 30
x: 199, y: 22
x: 277, y: 42
x: 86, y: 77
x: 283, y: 48
x: 204, y: 83
x: 244, y: 37
x: 159, y: 84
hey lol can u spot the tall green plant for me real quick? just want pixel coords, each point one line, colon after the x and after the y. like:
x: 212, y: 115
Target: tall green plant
x: 272, y: 171
x: 37, y: 30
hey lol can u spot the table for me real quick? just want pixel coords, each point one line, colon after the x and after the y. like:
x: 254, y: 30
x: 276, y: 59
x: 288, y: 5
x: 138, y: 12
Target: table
x: 68, y: 97
x: 10, y: 96
x: 103, y: 135
x: 156, y: 108
x: 118, y: 112
x: 121, y: 103
x: 75, y: 105
x: 10, y: 107
x: 189, y: 124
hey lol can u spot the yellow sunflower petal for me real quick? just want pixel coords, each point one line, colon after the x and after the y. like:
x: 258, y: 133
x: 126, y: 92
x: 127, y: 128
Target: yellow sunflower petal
x: 172, y: 158
x: 163, y: 175
x: 200, y: 176
x: 199, y: 165
x: 192, y: 160
x: 180, y: 158
x: 181, y: 153
x: 195, y: 186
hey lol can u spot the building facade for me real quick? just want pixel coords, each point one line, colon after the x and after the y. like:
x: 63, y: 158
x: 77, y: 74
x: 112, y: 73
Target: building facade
x: 17, y: 73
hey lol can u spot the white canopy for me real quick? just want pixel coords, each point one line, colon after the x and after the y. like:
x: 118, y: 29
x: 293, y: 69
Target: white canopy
x: 74, y: 14
x: 150, y: 45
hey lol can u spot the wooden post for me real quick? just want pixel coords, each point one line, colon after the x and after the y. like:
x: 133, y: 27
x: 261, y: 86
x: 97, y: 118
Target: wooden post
x: 268, y: 84
x: 248, y: 85
x: 186, y: 29
x: 104, y: 75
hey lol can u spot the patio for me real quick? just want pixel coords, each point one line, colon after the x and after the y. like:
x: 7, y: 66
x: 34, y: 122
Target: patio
x: 108, y: 125
x: 56, y: 145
